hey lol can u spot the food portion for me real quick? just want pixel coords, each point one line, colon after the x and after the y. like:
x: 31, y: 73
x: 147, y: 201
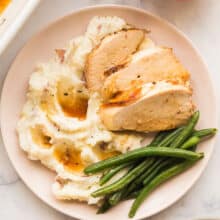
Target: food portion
x: 91, y: 107
x: 162, y: 81
x: 169, y: 154
x: 60, y: 124
x: 145, y: 114
x: 135, y: 82
x: 153, y: 64
x: 111, y: 54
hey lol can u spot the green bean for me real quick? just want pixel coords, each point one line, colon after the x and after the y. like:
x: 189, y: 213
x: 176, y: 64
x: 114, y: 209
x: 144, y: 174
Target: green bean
x: 146, y: 177
x: 106, y: 177
x: 139, y: 180
x: 156, y: 170
x: 104, y: 207
x: 167, y: 140
x: 116, y: 197
x: 124, y: 181
x: 193, y: 148
x: 187, y: 131
x: 192, y: 141
x: 155, y: 142
x: 170, y: 138
x: 205, y: 132
x: 159, y: 137
x: 159, y: 179
x: 133, y: 195
x: 149, y: 174
x: 140, y: 153
x: 160, y: 164
x: 164, y: 137
x: 119, y: 195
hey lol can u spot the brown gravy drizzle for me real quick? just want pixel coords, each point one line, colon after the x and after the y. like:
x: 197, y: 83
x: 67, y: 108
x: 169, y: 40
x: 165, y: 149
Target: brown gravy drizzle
x: 124, y: 98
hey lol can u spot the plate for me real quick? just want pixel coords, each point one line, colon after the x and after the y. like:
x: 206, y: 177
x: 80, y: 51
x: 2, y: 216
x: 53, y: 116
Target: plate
x: 41, y: 48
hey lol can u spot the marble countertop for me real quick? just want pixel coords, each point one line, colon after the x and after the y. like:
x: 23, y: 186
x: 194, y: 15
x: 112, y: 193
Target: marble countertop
x: 199, y: 20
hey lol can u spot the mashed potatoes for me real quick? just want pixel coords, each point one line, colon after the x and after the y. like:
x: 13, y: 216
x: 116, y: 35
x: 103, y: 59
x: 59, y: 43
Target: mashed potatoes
x: 60, y: 125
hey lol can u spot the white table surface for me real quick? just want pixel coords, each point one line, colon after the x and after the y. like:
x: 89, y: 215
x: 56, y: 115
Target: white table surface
x: 200, y: 20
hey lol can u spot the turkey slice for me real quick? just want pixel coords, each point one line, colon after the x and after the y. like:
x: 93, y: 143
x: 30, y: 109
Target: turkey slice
x: 157, y: 107
x: 112, y: 53
x: 149, y: 65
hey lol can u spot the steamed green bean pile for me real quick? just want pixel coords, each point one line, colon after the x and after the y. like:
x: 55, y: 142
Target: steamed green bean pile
x: 169, y: 154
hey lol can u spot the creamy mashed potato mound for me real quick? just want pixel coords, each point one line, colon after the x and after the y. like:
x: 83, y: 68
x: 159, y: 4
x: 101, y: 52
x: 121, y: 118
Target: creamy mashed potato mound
x: 59, y: 123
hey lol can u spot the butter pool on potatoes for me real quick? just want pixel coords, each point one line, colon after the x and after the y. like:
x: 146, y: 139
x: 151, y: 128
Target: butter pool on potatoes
x: 60, y: 125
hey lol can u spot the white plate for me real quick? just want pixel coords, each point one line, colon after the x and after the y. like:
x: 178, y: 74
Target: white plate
x: 41, y: 48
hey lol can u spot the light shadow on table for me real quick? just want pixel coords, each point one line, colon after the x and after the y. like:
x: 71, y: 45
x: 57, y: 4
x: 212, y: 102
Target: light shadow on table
x: 180, y: 12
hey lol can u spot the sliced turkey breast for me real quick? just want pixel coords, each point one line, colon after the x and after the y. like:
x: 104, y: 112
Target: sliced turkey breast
x: 112, y: 53
x: 159, y: 106
x: 149, y: 65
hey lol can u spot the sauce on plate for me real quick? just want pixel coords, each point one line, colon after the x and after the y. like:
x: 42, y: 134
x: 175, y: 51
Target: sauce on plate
x: 104, y: 154
x: 70, y: 158
x: 124, y: 98
x: 40, y: 138
x: 73, y: 103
